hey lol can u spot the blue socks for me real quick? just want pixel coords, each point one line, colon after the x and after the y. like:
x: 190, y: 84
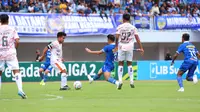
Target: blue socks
x: 111, y: 80
x: 96, y: 77
x: 180, y: 81
x: 45, y: 77
x: 42, y: 76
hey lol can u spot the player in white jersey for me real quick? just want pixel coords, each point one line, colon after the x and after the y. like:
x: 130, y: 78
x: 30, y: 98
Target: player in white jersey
x: 125, y: 35
x: 57, y: 59
x: 9, y: 41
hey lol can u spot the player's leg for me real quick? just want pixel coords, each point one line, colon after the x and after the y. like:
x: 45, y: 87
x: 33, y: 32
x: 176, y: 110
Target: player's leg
x: 41, y: 70
x: 121, y: 58
x: 129, y: 58
x: 2, y: 64
x: 46, y: 72
x: 60, y: 68
x: 184, y: 67
x: 191, y: 76
x: 0, y: 79
x: 107, y: 70
x: 14, y: 66
x: 95, y: 77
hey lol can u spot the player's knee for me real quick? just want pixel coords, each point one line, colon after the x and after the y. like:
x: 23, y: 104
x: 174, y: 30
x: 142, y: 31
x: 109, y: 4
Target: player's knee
x: 46, y: 72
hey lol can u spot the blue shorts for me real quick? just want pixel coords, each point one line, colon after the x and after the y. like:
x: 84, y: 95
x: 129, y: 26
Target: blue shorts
x: 107, y: 68
x: 188, y: 66
x: 46, y: 66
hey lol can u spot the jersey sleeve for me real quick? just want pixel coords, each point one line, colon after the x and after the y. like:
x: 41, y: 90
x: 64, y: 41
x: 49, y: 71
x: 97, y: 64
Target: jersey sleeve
x: 105, y: 49
x: 180, y: 49
x: 15, y: 34
x: 51, y: 45
x: 118, y: 30
x: 135, y: 31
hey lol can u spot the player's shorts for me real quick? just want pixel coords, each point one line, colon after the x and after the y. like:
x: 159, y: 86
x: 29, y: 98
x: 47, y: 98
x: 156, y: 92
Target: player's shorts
x: 58, y: 66
x: 125, y: 55
x: 46, y: 66
x: 107, y: 68
x: 12, y: 64
x: 188, y: 66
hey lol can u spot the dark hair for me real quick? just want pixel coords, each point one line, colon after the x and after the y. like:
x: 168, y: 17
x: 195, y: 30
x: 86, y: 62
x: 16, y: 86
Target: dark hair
x: 186, y: 37
x: 59, y: 34
x: 4, y: 18
x: 126, y: 17
x: 111, y: 37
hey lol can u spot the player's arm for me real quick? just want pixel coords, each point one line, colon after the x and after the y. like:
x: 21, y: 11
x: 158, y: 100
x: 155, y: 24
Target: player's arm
x: 43, y: 54
x: 174, y: 58
x: 139, y: 43
x: 94, y: 52
x: 16, y: 43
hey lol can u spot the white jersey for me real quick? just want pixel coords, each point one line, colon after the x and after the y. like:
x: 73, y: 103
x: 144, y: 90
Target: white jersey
x: 127, y: 33
x: 7, y: 42
x: 56, y: 51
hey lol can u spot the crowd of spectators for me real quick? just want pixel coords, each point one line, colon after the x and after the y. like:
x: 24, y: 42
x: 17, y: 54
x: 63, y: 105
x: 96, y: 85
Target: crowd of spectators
x: 102, y: 7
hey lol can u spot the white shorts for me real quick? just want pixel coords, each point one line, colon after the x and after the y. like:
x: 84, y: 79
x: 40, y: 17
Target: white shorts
x: 58, y: 66
x: 125, y: 55
x: 12, y: 64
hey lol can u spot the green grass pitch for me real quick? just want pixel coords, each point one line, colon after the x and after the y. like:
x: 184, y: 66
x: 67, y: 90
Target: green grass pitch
x: 148, y: 96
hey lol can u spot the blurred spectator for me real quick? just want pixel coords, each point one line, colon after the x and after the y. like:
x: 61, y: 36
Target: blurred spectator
x: 155, y: 10
x: 88, y: 11
x: 138, y: 13
x: 81, y: 8
x: 5, y: 6
x: 149, y: 5
x: 103, y: 13
x: 52, y: 9
x: 168, y: 56
x: 37, y: 8
x: 23, y: 7
x: 116, y: 8
x: 31, y: 8
x: 14, y: 7
x: 102, y: 5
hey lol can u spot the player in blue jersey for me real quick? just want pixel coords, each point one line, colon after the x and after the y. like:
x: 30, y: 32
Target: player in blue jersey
x: 190, y: 63
x: 45, y: 68
x: 108, y: 64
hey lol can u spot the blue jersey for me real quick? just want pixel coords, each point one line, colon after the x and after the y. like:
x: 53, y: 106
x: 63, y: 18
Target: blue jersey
x: 189, y: 51
x: 48, y: 56
x: 108, y: 50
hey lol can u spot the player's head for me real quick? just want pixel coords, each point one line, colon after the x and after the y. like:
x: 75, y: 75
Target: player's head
x: 185, y: 37
x: 4, y: 19
x: 61, y: 36
x: 126, y: 17
x: 111, y: 38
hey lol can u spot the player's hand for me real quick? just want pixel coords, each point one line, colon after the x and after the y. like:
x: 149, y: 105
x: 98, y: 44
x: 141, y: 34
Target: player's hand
x: 115, y: 50
x: 88, y: 50
x: 142, y: 51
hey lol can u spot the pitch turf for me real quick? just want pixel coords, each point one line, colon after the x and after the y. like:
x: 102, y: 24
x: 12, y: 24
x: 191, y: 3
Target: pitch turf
x: 148, y: 96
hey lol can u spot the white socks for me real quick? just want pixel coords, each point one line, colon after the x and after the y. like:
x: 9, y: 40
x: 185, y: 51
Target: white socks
x: 120, y: 73
x: 130, y: 72
x: 63, y: 80
x: 19, y: 81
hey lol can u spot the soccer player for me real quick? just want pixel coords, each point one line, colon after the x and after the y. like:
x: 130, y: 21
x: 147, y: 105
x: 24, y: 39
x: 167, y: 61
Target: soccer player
x: 57, y: 59
x: 108, y: 64
x: 125, y: 36
x: 9, y: 41
x: 190, y: 61
x: 45, y: 68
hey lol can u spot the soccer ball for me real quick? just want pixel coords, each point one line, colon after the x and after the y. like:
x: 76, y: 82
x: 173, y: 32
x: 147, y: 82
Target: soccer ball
x: 77, y: 85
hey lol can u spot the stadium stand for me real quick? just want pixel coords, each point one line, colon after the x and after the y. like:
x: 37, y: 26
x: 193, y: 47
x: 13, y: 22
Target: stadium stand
x: 86, y: 7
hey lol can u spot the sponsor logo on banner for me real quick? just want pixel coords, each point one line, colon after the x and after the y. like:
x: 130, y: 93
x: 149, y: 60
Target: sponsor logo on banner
x: 160, y: 70
x: 161, y: 23
x: 176, y: 22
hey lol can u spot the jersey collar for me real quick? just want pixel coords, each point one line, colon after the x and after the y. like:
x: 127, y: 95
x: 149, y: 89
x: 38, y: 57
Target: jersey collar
x: 112, y: 44
x: 186, y: 42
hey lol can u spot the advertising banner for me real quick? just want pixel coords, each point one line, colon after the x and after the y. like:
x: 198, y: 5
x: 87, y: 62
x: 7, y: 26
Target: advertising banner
x: 49, y: 24
x: 142, y: 22
x: 160, y: 70
x: 176, y: 22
